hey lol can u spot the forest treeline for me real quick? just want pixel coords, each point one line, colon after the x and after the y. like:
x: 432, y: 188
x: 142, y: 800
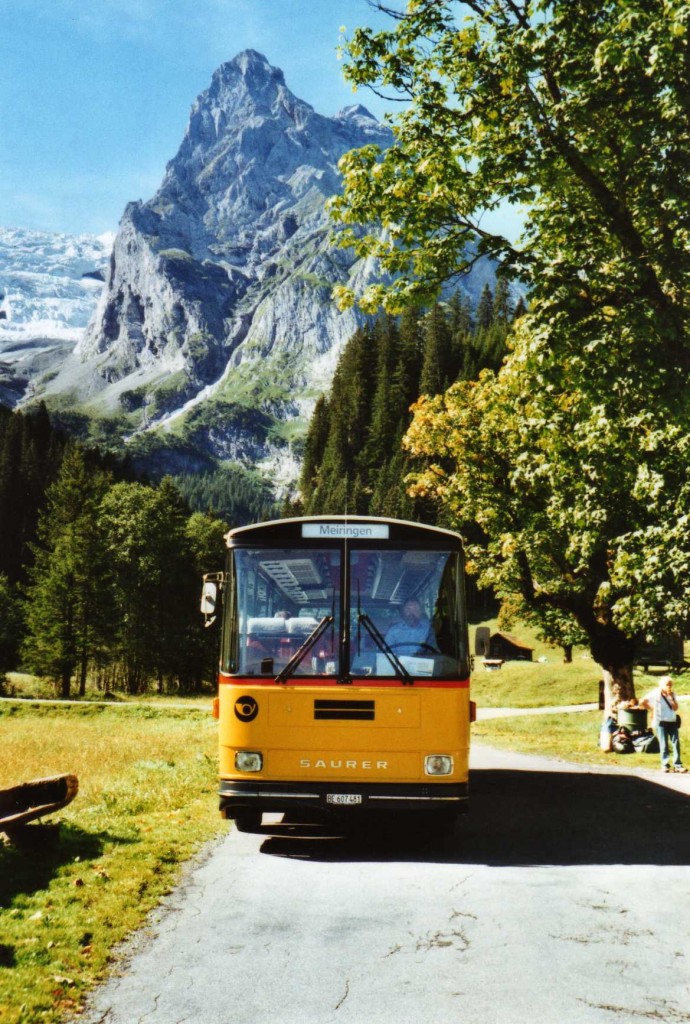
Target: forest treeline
x: 99, y: 572
x: 353, y: 459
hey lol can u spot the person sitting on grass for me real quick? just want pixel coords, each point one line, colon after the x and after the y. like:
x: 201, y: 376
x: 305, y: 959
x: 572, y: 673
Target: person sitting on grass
x: 662, y: 702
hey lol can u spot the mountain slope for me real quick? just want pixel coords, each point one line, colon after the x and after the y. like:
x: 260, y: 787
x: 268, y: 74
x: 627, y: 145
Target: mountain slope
x: 219, y: 286
x: 216, y: 330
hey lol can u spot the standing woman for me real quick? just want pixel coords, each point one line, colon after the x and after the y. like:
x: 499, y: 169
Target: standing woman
x: 663, y: 704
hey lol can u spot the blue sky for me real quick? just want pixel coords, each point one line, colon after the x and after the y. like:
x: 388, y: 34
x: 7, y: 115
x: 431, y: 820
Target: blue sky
x: 95, y: 94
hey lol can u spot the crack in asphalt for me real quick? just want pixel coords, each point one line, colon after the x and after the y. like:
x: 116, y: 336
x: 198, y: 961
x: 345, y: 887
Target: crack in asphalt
x: 150, y: 1012
x: 461, y: 881
x: 344, y: 997
x: 666, y: 1013
x: 391, y: 952
x: 105, y: 1016
x: 463, y: 913
x: 442, y: 940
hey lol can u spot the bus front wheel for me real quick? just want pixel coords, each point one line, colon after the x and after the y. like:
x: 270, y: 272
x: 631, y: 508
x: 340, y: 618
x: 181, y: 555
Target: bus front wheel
x: 248, y: 821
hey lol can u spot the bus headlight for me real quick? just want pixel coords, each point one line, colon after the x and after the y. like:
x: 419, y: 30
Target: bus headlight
x: 438, y: 764
x: 248, y: 761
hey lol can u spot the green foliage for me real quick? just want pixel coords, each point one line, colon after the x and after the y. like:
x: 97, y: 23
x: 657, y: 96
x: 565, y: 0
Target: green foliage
x: 553, y: 627
x: 168, y: 394
x: 353, y: 455
x: 231, y: 492
x: 578, y: 485
x: 133, y: 399
x: 571, y: 458
x: 10, y: 627
x: 574, y: 111
x: 154, y: 584
x: 253, y: 422
x: 30, y: 455
x: 100, y: 579
x: 67, y: 601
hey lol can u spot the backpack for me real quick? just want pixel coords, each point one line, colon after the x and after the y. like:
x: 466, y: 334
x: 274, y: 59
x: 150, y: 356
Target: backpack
x: 646, y: 743
x: 621, y: 741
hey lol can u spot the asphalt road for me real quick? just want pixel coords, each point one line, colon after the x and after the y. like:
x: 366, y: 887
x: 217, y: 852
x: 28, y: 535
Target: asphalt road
x: 563, y: 898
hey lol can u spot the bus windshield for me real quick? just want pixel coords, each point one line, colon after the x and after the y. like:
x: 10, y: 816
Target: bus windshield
x: 283, y: 601
x: 405, y: 611
x: 344, y: 611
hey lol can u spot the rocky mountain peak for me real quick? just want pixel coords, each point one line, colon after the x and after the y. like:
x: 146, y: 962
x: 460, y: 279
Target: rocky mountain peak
x: 249, y: 86
x: 355, y: 112
x: 245, y: 95
x: 217, y: 320
x: 249, y: 73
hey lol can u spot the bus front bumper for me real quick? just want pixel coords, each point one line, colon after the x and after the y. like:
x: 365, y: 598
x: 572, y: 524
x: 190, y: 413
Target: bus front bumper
x: 336, y: 797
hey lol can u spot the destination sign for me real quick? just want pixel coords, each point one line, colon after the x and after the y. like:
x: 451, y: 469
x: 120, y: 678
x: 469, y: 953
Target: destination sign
x: 347, y: 531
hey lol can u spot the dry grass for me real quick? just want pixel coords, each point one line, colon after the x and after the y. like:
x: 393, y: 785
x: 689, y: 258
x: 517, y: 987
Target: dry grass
x: 96, y: 742
x: 146, y: 803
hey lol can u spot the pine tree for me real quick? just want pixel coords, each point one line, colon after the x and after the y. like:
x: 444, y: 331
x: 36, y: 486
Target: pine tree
x: 11, y: 495
x: 484, y: 316
x: 409, y: 365
x: 10, y: 627
x: 314, y: 448
x: 353, y: 454
x: 382, y: 429
x: 349, y: 409
x: 67, y: 607
x: 436, y: 366
x: 154, y: 555
x: 460, y: 318
x: 503, y: 309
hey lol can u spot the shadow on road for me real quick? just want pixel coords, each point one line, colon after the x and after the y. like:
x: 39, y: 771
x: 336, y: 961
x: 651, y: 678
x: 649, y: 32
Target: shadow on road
x: 518, y: 818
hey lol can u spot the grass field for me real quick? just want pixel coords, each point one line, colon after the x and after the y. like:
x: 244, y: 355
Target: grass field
x: 568, y: 737
x: 546, y: 680
x: 146, y: 802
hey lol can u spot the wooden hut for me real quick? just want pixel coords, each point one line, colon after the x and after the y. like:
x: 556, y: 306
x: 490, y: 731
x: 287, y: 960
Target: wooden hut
x: 505, y: 647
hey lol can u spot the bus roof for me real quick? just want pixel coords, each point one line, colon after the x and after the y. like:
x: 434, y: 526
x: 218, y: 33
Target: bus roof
x: 341, y: 528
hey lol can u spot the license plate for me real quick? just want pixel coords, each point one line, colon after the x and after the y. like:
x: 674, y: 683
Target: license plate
x: 344, y: 798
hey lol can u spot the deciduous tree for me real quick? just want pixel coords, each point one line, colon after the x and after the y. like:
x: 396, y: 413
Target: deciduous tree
x: 572, y: 456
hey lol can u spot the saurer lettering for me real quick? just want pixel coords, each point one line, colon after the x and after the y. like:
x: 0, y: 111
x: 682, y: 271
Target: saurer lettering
x: 307, y: 762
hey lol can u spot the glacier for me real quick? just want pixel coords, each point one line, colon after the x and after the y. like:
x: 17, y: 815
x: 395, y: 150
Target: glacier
x: 50, y: 284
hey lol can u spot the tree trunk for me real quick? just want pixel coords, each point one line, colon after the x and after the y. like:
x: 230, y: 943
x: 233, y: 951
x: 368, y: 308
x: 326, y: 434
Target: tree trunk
x: 614, y: 652
x: 65, y: 681
x: 567, y: 654
x: 618, y: 686
x: 83, y: 664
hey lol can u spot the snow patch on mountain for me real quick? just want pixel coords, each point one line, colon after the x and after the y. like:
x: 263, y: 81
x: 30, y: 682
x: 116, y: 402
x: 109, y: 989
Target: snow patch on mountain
x: 49, y: 286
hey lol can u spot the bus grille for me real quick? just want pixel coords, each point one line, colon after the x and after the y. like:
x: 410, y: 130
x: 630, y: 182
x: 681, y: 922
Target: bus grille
x: 348, y: 710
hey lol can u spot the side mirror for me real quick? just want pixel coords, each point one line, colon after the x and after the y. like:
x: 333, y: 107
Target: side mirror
x: 482, y: 641
x: 209, y: 600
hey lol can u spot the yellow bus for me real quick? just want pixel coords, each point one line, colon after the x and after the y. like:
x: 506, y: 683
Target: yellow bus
x: 344, y: 669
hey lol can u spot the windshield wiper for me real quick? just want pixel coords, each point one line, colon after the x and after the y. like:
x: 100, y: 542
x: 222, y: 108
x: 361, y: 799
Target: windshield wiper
x: 380, y: 642
x: 315, y: 635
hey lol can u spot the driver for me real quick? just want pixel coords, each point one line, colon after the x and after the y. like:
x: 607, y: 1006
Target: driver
x: 413, y: 633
